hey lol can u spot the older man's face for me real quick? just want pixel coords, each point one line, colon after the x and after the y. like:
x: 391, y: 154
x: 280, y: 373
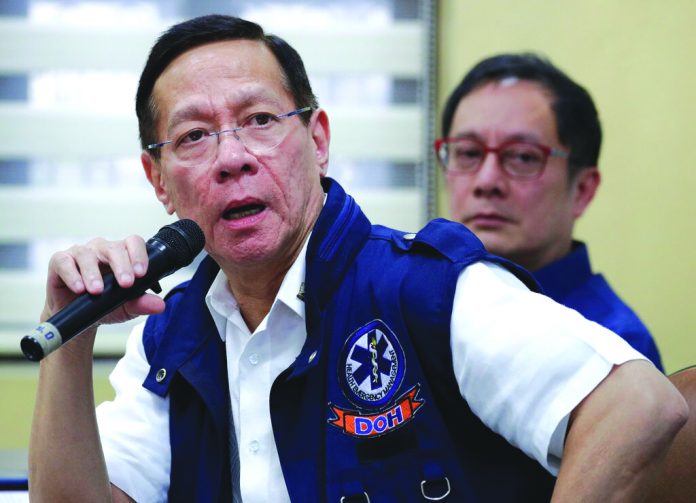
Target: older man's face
x: 254, y: 207
x: 528, y: 221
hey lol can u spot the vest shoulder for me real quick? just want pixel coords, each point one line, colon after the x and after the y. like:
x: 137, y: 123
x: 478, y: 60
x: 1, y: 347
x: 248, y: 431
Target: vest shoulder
x: 450, y: 239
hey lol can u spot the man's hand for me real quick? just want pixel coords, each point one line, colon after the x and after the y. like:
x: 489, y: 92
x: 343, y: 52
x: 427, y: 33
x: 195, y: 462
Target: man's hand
x: 80, y: 268
x: 64, y: 425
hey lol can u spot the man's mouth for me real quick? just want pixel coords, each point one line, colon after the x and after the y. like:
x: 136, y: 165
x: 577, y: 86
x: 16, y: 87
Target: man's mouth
x: 488, y: 216
x: 243, y: 211
x: 485, y: 220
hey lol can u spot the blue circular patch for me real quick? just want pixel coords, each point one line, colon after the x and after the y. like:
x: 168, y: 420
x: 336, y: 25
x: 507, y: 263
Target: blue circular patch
x: 371, y: 365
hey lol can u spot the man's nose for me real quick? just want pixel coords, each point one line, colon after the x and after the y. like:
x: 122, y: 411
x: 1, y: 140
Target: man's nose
x: 232, y: 156
x: 229, y: 139
x: 490, y: 178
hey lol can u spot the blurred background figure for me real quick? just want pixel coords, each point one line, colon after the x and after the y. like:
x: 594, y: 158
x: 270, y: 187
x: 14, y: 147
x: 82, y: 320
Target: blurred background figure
x: 630, y: 57
x: 520, y: 152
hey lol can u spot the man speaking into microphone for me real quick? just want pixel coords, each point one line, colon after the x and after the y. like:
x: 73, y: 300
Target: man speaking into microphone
x: 314, y: 356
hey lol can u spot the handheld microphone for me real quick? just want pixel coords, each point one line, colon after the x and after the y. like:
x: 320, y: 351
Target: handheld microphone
x: 173, y: 247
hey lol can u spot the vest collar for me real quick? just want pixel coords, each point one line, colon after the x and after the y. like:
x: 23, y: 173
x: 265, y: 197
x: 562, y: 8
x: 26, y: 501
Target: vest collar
x: 338, y: 236
x: 187, y: 330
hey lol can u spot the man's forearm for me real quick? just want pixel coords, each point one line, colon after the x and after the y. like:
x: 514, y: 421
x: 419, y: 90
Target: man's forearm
x: 65, y: 457
x: 618, y: 436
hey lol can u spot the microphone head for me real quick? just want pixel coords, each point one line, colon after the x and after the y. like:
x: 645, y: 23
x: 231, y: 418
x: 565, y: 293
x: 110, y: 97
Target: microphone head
x: 184, y: 239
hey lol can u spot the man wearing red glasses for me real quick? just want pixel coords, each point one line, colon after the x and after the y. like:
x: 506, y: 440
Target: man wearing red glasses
x: 520, y: 148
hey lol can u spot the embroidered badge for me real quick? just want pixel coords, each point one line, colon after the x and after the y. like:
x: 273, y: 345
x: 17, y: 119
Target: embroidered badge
x: 371, y: 366
x: 372, y: 425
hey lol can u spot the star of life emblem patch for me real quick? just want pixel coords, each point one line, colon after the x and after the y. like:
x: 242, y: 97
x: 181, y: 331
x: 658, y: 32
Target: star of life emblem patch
x: 361, y: 425
x: 371, y: 366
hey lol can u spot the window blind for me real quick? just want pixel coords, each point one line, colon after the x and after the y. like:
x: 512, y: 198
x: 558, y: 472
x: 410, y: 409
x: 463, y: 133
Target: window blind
x: 69, y: 152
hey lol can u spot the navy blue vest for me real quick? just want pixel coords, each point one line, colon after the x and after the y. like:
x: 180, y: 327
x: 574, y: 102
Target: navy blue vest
x: 370, y: 407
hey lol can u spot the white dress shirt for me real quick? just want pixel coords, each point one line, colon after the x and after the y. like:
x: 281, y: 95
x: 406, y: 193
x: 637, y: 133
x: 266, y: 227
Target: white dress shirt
x: 253, y: 363
x: 523, y: 362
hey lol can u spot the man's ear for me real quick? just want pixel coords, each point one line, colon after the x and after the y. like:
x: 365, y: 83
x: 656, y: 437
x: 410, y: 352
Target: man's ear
x: 321, y: 134
x: 584, y: 187
x: 153, y: 171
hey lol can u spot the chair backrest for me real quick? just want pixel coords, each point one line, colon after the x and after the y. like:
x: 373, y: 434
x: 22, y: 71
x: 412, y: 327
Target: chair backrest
x: 676, y: 482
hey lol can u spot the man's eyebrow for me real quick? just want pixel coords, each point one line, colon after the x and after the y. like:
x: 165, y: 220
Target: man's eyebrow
x: 184, y: 114
x: 467, y: 135
x: 256, y: 98
x: 524, y: 137
x: 247, y: 100
x: 519, y: 136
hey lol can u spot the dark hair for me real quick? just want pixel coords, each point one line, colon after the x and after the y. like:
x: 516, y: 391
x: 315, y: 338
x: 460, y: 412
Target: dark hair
x: 577, y: 120
x: 204, y: 30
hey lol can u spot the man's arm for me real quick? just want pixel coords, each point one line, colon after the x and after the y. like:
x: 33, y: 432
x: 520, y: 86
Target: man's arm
x: 66, y: 462
x: 619, y: 435
x: 65, y: 459
x: 65, y: 456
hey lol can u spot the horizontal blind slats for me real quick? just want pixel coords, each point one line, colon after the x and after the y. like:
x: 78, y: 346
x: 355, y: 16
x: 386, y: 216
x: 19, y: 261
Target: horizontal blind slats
x: 64, y: 135
x: 394, y: 49
x: 27, y: 214
x: 364, y: 134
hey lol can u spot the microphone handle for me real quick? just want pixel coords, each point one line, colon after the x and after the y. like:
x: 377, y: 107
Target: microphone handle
x: 87, y: 309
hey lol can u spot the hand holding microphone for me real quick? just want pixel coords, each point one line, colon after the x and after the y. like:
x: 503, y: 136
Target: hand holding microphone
x: 173, y: 247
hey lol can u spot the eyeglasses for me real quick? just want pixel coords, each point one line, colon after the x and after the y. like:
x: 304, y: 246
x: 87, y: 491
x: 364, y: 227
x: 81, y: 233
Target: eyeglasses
x: 260, y: 133
x: 519, y: 159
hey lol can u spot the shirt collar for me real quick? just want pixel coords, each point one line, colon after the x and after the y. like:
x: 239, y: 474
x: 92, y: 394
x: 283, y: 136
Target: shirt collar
x: 222, y: 304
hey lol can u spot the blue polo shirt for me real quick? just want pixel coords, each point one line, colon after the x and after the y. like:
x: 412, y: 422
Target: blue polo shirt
x: 571, y: 282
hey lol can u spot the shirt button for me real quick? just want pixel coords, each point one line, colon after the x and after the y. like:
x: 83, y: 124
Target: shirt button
x: 312, y: 357
x: 410, y: 236
x: 253, y: 446
x: 254, y: 358
x: 161, y: 374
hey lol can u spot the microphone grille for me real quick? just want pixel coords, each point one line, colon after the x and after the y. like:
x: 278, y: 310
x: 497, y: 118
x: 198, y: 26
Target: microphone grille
x: 184, y: 239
